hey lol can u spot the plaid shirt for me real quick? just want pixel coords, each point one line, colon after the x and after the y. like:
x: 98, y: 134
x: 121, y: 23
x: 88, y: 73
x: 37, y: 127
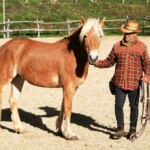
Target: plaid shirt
x: 131, y: 62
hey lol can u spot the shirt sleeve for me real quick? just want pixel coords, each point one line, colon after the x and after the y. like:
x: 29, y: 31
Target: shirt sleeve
x: 146, y: 63
x: 108, y: 62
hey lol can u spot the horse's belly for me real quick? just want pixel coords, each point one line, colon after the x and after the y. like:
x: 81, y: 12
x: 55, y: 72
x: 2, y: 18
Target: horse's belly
x: 51, y: 81
x: 41, y: 77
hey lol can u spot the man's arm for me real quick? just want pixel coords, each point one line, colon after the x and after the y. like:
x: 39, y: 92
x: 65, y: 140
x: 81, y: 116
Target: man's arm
x: 108, y: 62
x: 146, y: 65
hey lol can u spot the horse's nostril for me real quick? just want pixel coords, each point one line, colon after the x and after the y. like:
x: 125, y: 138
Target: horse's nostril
x: 90, y: 57
x: 93, y: 59
x: 96, y: 57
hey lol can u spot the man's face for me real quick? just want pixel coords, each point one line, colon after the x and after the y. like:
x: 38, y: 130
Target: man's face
x: 130, y: 37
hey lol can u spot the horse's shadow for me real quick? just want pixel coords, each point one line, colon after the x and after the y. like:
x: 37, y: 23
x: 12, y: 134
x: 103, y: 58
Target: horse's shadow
x: 36, y: 120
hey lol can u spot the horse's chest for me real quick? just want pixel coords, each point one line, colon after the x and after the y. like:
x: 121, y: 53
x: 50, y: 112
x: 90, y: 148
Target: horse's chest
x: 81, y: 80
x: 81, y: 74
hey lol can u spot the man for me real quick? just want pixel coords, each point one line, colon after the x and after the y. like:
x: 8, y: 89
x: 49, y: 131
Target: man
x: 131, y: 58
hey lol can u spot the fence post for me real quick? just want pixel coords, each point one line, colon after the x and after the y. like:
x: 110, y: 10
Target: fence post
x: 4, y: 21
x: 127, y: 18
x: 8, y: 23
x: 68, y: 23
x: 4, y: 29
x: 75, y: 1
x: 143, y: 26
x: 38, y: 27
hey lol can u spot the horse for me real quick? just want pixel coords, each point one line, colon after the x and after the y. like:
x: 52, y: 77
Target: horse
x: 62, y: 64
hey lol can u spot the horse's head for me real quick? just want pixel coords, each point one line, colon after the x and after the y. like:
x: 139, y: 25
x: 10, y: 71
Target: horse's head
x: 90, y: 36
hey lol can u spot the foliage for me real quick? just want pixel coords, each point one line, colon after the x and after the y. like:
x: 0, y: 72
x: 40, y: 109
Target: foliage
x: 64, y: 9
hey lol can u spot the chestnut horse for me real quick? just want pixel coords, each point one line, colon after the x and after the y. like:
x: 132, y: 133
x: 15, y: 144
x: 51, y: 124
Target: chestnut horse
x: 63, y: 64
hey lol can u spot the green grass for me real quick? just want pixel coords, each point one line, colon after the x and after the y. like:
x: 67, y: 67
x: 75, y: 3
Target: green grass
x: 64, y: 9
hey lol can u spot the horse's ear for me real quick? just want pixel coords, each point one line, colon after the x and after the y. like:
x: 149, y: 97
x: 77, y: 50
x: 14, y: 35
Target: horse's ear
x: 101, y: 22
x: 83, y: 21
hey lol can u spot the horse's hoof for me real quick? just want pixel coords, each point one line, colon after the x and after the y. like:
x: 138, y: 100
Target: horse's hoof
x: 73, y: 138
x: 59, y: 133
x: 19, y: 130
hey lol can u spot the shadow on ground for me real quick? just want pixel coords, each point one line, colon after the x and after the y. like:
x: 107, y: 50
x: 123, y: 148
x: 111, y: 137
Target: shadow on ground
x: 36, y: 120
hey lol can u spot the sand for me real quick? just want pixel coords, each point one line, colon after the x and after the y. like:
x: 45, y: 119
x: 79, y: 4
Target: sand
x: 93, y: 118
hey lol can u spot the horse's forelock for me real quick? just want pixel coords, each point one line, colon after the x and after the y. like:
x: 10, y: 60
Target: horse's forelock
x: 91, y: 23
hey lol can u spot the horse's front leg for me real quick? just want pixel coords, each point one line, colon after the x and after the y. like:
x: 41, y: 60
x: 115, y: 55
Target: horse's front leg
x: 60, y: 119
x: 63, y: 121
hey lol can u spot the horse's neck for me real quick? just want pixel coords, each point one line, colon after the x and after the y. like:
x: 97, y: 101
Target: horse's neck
x: 80, y: 55
x: 79, y: 51
x: 77, y: 47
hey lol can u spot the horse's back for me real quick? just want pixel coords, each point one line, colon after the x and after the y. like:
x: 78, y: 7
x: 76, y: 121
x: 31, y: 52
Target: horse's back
x: 34, y: 61
x: 41, y: 64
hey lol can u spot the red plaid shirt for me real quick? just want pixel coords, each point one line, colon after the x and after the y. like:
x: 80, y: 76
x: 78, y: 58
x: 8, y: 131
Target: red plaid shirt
x: 131, y: 62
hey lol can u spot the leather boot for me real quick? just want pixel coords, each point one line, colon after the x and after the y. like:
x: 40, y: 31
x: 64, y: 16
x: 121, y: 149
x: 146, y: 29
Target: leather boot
x: 132, y: 133
x: 119, y: 133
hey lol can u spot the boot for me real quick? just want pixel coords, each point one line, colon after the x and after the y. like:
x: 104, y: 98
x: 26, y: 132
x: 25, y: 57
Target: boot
x: 119, y: 133
x: 132, y: 133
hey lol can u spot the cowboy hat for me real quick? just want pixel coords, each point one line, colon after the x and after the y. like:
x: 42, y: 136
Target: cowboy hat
x: 130, y: 27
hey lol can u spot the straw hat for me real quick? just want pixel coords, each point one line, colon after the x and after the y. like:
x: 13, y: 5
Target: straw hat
x: 130, y: 27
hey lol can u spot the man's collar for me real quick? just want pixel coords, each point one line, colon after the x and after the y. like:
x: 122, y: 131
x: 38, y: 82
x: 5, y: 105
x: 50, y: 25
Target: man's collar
x: 129, y: 43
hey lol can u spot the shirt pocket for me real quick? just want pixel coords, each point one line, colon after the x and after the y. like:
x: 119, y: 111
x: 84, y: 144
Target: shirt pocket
x: 135, y: 54
x: 135, y: 58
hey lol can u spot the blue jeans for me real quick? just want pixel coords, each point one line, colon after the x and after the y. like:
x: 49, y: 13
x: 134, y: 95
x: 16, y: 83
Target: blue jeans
x: 120, y: 97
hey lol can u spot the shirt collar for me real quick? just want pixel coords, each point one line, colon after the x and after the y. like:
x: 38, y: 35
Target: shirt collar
x: 129, y: 43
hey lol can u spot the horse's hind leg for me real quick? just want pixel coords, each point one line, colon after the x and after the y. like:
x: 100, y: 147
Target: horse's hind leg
x: 2, y: 87
x: 16, y: 88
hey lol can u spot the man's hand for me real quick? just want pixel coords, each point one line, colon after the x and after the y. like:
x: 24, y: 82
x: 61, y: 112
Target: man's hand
x: 146, y: 78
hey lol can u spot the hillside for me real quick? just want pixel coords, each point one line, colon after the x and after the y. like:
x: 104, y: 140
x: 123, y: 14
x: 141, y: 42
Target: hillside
x: 63, y: 9
x: 19, y: 10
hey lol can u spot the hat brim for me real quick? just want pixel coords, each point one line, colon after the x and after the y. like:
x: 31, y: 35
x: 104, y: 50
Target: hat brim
x: 124, y: 30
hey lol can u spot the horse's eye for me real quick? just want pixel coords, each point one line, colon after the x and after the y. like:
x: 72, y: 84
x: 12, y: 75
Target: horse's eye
x: 85, y: 37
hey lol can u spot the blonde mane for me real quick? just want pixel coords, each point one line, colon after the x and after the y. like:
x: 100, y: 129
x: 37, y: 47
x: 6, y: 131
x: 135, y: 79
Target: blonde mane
x: 91, y: 23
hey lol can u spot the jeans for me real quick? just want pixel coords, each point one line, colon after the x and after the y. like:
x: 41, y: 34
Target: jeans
x: 120, y: 96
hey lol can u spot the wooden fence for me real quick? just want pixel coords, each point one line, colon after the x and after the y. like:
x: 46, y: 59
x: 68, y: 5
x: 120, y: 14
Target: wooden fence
x: 6, y: 28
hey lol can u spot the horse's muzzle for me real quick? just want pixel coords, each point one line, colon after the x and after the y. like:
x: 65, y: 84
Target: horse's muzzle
x: 93, y: 58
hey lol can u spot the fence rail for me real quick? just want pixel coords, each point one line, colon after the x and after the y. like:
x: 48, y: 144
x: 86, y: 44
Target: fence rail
x: 37, y: 26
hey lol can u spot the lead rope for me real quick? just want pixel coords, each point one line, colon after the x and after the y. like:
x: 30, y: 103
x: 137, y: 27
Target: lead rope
x: 147, y: 111
x: 142, y: 100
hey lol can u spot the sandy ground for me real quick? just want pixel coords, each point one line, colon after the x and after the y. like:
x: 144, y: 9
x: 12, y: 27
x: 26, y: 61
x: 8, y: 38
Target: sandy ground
x: 93, y: 116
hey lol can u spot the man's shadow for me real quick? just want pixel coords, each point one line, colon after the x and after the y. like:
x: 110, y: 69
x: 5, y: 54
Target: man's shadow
x: 36, y: 120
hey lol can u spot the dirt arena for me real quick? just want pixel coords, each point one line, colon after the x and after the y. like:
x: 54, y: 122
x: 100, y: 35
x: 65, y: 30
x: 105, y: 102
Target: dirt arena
x: 93, y: 117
